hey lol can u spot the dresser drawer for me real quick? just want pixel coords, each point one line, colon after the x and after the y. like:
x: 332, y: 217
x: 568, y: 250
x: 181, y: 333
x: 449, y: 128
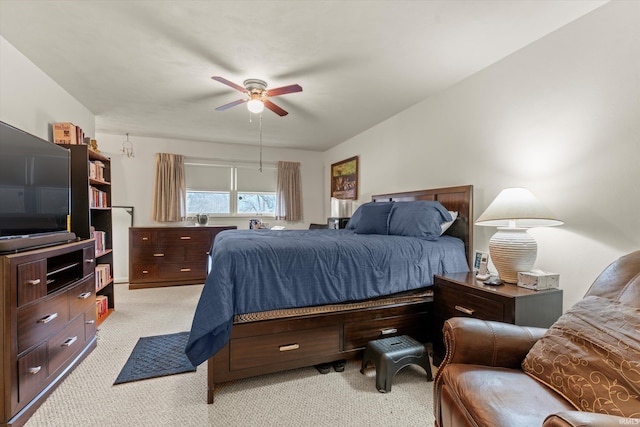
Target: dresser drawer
x: 66, y: 344
x: 90, y: 327
x: 197, y: 252
x: 159, y: 254
x: 356, y: 335
x: 186, y: 237
x: 89, y: 261
x: 453, y: 303
x: 185, y: 270
x: 143, y: 238
x: 32, y: 372
x: 277, y: 348
x: 32, y: 281
x: 82, y: 296
x: 38, y: 321
x: 144, y: 272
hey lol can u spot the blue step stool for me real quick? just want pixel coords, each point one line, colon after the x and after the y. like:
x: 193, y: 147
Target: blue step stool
x: 389, y: 355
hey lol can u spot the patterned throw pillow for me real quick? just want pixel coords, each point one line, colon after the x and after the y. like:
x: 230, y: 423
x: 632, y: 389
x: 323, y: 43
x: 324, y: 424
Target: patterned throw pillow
x: 591, y: 356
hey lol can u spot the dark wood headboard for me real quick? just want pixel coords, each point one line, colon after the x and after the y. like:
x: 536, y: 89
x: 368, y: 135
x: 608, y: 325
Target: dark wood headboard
x: 454, y: 199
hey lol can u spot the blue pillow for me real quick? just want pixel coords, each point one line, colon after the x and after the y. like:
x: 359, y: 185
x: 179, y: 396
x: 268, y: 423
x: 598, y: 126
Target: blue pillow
x: 421, y: 218
x: 374, y: 219
x: 355, y: 218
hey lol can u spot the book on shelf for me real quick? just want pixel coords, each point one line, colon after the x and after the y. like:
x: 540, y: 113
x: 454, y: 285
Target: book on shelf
x: 100, y: 238
x: 67, y: 133
x: 102, y: 306
x: 96, y: 170
x: 103, y: 275
x: 98, y: 198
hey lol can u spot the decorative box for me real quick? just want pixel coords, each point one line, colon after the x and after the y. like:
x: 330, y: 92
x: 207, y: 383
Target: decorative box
x: 538, y: 280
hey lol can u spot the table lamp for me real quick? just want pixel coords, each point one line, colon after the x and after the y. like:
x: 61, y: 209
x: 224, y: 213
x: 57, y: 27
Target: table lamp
x: 512, y: 249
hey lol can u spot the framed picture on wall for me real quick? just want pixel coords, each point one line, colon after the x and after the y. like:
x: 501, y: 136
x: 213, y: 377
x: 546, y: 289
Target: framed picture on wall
x: 344, y: 179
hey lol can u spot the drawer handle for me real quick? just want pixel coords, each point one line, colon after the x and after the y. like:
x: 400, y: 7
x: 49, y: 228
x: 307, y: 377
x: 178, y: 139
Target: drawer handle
x: 289, y: 347
x: 89, y: 261
x: 84, y: 295
x: 185, y: 270
x: 145, y: 238
x: 89, y: 322
x: 145, y: 271
x: 34, y: 369
x: 158, y: 254
x: 69, y: 341
x: 185, y: 237
x: 48, y: 318
x: 388, y: 331
x: 465, y: 310
x: 33, y: 282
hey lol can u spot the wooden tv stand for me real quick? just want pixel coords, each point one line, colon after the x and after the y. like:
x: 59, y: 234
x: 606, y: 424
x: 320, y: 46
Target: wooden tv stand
x: 48, y: 317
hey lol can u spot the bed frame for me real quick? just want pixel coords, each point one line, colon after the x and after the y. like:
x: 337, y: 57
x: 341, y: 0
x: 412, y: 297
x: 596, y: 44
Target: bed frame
x: 287, y: 341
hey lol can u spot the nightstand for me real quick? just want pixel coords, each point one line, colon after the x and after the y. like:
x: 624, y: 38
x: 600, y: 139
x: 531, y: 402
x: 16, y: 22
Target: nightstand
x: 461, y: 295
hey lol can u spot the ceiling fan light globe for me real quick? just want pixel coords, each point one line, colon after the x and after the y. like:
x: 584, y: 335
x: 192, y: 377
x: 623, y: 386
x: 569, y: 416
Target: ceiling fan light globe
x: 255, y: 106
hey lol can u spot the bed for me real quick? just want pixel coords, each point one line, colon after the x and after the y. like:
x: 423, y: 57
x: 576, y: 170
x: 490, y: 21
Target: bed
x: 311, y: 332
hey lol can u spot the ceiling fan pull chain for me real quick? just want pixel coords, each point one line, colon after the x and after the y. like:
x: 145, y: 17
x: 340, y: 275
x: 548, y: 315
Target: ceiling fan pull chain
x: 260, y: 143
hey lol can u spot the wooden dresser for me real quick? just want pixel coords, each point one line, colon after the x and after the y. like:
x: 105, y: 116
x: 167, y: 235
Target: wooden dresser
x: 167, y: 256
x: 48, y: 317
x: 461, y: 295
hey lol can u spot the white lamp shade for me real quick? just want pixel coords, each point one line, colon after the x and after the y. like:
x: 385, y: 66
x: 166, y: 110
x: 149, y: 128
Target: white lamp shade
x: 255, y: 106
x: 517, y: 207
x: 512, y: 249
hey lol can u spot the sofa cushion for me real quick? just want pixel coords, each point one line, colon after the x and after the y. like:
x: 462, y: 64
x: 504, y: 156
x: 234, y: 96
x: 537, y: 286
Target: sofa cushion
x: 591, y: 356
x: 498, y: 396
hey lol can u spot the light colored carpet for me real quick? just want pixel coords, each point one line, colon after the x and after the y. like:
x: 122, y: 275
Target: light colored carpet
x: 300, y: 397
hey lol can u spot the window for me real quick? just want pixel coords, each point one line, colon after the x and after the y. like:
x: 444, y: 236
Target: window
x: 216, y: 188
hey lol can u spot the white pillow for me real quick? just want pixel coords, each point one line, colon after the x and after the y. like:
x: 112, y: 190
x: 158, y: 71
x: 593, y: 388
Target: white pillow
x: 445, y: 225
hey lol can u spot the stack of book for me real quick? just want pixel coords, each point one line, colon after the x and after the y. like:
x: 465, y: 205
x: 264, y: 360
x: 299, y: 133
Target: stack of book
x: 103, y: 275
x: 100, y: 241
x: 98, y: 198
x: 67, y: 133
x: 102, y: 307
x: 96, y: 170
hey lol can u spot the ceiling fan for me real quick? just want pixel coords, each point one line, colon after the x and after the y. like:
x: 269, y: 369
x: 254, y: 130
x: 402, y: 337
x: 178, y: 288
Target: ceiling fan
x: 258, y: 95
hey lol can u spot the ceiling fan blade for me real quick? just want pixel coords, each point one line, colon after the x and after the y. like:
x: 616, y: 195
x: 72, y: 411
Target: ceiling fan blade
x: 231, y: 104
x: 230, y: 84
x: 283, y: 90
x: 273, y: 107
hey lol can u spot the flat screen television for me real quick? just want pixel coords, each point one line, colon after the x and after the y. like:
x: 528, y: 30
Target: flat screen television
x: 35, y: 191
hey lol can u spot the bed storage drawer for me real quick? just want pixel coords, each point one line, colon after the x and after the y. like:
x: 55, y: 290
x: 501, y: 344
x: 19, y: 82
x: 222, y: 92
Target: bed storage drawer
x: 275, y: 348
x: 356, y: 335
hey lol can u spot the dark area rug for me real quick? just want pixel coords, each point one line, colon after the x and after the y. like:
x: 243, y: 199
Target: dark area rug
x: 156, y: 356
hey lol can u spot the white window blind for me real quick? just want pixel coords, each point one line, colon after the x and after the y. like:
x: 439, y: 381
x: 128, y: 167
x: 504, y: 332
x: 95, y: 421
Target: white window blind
x: 219, y: 187
x: 204, y: 177
x: 252, y: 180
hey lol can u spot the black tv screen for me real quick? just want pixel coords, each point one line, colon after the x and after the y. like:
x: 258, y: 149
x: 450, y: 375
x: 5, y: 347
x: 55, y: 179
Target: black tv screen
x: 35, y: 189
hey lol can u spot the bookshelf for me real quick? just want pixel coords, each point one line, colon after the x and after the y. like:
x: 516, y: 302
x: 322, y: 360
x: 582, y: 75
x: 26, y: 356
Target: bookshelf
x: 91, y: 214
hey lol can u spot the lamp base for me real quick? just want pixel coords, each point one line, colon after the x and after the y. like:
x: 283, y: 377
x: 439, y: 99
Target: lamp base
x: 512, y: 250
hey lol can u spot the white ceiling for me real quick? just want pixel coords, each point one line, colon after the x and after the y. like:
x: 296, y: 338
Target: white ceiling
x: 145, y: 67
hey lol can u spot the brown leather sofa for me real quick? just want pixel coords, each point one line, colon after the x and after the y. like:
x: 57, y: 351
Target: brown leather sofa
x: 482, y: 380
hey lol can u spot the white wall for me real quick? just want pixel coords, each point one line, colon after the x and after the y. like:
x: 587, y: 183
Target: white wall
x: 132, y: 178
x: 32, y: 101
x: 560, y: 117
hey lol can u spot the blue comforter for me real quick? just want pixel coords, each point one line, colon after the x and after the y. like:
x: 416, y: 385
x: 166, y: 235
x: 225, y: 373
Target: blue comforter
x: 259, y: 270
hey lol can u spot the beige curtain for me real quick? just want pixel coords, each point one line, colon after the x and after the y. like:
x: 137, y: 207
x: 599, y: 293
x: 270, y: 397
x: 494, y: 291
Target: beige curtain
x: 289, y: 192
x: 169, y: 189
